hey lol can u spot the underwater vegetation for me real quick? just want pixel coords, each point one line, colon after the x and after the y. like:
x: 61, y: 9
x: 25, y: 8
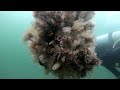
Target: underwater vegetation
x: 62, y: 42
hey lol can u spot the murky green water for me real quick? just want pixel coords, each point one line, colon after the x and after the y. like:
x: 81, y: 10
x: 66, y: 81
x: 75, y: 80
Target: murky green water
x: 15, y: 59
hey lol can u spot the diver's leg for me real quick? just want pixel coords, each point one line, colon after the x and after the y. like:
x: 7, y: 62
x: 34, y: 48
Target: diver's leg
x: 114, y: 71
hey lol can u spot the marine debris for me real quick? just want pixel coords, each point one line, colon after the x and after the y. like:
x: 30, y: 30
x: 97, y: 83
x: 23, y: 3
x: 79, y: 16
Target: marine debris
x: 62, y: 42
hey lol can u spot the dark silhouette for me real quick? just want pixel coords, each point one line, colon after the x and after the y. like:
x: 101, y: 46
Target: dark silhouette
x: 110, y: 56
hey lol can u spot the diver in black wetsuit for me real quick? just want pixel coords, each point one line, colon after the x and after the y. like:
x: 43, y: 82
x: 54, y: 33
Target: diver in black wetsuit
x: 108, y: 50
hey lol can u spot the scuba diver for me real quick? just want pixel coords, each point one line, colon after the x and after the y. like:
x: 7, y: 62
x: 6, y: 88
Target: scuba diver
x: 108, y: 50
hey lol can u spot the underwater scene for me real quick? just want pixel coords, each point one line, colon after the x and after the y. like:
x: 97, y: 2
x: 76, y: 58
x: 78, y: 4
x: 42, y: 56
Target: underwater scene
x: 59, y: 44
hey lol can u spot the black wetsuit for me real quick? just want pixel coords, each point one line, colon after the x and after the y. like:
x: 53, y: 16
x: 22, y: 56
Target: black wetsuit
x: 109, y: 55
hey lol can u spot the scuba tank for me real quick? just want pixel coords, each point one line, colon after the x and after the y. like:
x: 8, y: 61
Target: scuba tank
x: 106, y: 42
